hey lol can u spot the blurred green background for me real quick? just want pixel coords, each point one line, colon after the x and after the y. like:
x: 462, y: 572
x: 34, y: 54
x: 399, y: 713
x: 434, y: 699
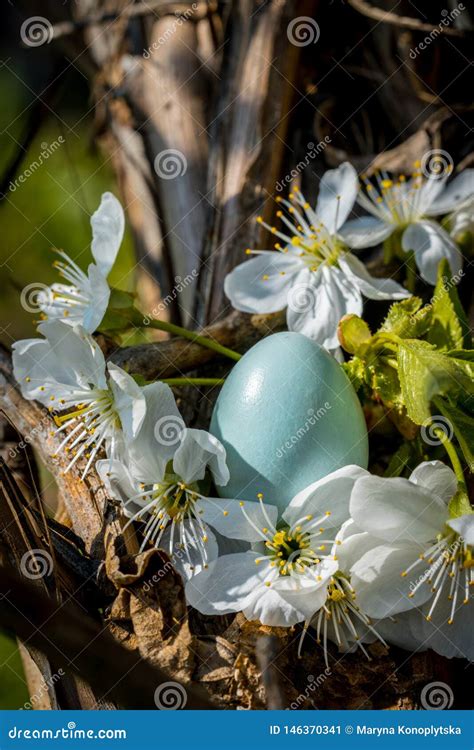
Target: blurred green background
x: 50, y: 208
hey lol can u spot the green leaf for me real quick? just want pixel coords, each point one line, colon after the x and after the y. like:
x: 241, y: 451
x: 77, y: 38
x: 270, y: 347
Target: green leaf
x: 459, y: 505
x: 425, y: 373
x: 385, y: 382
x: 463, y: 427
x: 449, y: 328
x: 356, y: 372
x: 406, y: 319
x: 400, y: 460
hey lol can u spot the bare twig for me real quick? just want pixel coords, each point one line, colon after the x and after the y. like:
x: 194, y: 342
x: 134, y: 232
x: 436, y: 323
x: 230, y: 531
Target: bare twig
x: 165, y: 358
x: 403, y: 22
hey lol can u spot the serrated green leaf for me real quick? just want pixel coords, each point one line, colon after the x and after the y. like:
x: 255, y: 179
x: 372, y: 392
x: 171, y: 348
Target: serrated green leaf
x: 385, y: 382
x: 407, y: 319
x: 449, y: 328
x: 425, y: 373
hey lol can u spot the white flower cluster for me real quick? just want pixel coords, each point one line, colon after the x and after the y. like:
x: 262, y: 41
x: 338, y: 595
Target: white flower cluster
x: 355, y: 556
x: 314, y: 275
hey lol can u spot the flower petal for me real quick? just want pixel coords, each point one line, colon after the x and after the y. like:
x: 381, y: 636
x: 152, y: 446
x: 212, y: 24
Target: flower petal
x: 370, y: 286
x: 365, y: 231
x: 450, y: 639
x: 270, y: 608
x: 188, y: 561
x: 118, y: 483
x: 99, y: 299
x: 464, y: 526
x: 352, y: 544
x: 76, y: 350
x: 198, y: 451
x: 37, y: 370
x: 437, y: 478
x: 380, y: 588
x: 326, y: 296
x: 228, y: 518
x: 312, y: 593
x: 431, y: 243
x: 108, y: 224
x: 461, y: 220
x: 159, y: 436
x: 331, y: 495
x: 337, y: 193
x: 249, y: 289
x: 396, y: 509
x: 460, y: 189
x: 402, y: 630
x: 128, y: 398
x: 227, y: 584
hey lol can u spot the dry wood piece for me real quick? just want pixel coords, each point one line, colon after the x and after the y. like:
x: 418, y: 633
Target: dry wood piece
x: 74, y: 642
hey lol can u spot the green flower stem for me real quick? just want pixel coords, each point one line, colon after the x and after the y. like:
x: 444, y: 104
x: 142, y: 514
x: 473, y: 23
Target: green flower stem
x: 175, y: 330
x: 388, y: 250
x: 193, y: 381
x: 411, y: 273
x: 450, y: 450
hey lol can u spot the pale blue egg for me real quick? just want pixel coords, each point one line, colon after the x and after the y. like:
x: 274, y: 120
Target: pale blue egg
x: 287, y: 416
